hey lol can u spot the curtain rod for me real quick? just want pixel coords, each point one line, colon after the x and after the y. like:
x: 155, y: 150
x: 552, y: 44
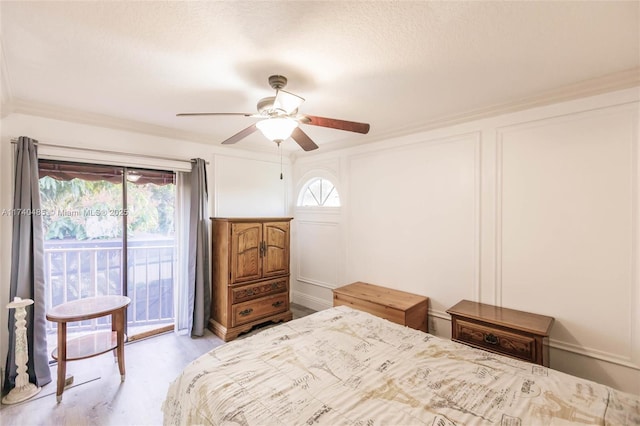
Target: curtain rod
x: 103, y: 151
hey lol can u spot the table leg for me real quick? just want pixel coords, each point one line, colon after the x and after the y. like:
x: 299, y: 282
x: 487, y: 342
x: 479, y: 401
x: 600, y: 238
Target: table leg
x: 117, y: 324
x: 62, y: 359
x: 114, y: 327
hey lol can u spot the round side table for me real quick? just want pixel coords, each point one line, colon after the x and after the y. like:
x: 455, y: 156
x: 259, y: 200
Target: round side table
x: 91, y: 344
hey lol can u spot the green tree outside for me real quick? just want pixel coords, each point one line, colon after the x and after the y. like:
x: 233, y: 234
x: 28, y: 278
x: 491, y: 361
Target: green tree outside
x: 84, y: 210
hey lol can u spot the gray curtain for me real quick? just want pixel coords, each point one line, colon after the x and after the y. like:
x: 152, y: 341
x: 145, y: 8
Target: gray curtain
x: 199, y: 276
x: 27, y: 266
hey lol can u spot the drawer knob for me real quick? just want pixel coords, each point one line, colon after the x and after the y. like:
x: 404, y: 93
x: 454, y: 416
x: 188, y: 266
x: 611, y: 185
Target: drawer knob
x: 491, y: 339
x: 245, y: 312
x: 277, y: 304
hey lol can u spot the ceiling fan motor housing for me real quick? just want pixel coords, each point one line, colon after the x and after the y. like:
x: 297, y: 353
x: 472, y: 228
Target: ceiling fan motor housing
x: 277, y: 81
x: 265, y: 105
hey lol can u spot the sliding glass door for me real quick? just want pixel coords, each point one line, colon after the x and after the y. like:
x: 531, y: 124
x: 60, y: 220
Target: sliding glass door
x: 150, y: 249
x: 97, y: 219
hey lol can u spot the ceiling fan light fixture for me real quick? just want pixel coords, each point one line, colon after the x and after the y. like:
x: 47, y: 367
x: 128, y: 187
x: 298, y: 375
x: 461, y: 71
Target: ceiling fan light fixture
x: 277, y: 129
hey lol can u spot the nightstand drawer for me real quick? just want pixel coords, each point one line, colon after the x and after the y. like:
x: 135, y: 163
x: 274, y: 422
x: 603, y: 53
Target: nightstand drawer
x: 505, y: 331
x: 500, y: 341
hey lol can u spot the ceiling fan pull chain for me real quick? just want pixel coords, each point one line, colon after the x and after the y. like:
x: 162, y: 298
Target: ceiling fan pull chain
x: 280, y: 149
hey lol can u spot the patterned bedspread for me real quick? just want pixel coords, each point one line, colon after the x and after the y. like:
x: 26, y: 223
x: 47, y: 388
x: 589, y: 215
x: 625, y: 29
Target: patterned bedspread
x: 345, y: 367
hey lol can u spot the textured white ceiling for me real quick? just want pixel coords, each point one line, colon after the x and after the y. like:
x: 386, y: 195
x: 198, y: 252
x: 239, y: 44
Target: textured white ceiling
x: 400, y: 66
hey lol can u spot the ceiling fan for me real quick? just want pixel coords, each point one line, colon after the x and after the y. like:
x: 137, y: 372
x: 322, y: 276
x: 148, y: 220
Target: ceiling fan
x: 280, y: 118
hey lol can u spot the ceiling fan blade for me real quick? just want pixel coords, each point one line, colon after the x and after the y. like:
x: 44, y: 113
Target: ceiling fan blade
x: 303, y: 140
x: 187, y: 114
x: 350, y: 126
x: 241, y: 135
x: 287, y: 102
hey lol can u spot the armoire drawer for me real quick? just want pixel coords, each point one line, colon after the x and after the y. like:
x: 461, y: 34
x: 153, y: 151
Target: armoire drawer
x: 259, y: 308
x: 244, y: 293
x: 494, y: 339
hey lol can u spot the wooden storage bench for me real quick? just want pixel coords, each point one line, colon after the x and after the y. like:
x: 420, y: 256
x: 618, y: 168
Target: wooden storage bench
x: 394, y: 305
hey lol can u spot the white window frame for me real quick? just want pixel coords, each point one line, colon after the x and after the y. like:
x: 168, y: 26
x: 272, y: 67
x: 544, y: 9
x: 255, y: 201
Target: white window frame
x: 308, y: 179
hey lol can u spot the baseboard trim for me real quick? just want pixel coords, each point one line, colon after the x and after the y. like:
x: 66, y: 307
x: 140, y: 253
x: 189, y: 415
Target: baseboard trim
x: 315, y: 303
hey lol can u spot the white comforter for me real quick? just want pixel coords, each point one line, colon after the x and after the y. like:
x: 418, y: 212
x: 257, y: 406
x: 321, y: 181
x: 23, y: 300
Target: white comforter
x: 342, y: 366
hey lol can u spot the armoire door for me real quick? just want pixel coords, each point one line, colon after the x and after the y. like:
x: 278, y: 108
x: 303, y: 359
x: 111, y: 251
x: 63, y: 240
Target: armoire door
x: 246, y: 259
x: 276, y: 249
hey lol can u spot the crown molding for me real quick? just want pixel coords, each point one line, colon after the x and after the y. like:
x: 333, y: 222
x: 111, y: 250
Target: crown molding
x: 21, y: 106
x: 609, y: 83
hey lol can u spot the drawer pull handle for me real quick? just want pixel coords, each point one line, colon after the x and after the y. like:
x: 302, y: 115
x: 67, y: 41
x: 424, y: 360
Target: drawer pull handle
x: 277, y: 304
x: 245, y: 312
x: 491, y: 339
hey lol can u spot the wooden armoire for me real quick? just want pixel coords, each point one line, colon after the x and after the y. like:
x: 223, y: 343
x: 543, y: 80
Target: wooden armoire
x: 250, y: 274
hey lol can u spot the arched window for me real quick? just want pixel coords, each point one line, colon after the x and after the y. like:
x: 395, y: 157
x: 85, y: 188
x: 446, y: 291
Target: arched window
x: 319, y: 192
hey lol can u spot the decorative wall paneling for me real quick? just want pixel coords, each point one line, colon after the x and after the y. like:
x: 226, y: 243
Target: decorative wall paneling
x: 413, y: 219
x: 319, y: 251
x: 318, y: 256
x: 567, y: 228
x: 552, y: 209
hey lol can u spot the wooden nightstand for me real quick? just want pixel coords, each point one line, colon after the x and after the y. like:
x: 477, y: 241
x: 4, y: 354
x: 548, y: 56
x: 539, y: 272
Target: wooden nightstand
x: 504, y: 331
x: 394, y: 305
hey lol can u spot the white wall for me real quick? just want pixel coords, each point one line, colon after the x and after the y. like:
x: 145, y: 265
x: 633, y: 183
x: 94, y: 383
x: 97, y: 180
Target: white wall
x: 240, y: 183
x: 250, y: 187
x: 535, y: 210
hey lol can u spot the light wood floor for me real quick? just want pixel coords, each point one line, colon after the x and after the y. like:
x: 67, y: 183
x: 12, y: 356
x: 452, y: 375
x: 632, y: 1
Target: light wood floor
x: 97, y: 397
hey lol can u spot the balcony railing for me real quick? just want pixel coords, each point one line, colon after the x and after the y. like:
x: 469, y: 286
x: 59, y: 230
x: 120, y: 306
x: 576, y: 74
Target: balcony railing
x: 79, y: 269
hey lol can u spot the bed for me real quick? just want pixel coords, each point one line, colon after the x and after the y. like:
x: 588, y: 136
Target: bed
x: 341, y: 366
